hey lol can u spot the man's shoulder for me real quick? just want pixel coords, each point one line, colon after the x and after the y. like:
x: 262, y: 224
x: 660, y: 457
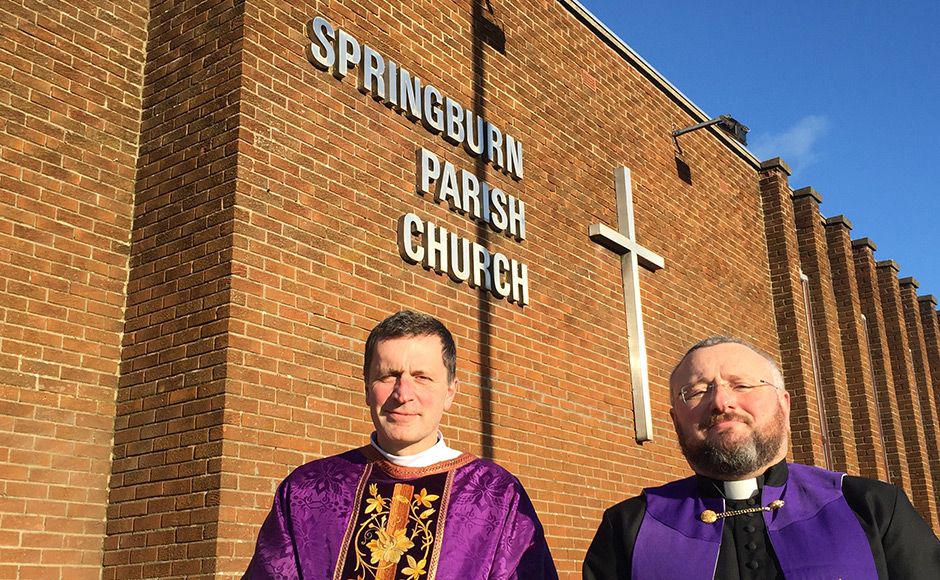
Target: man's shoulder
x: 874, y: 502
x: 478, y: 463
x: 868, y: 485
x: 853, y: 486
x: 484, y: 477
x: 353, y: 463
x: 637, y: 504
x: 863, y: 491
x: 349, y: 463
x: 626, y: 511
x: 679, y: 488
x: 485, y: 468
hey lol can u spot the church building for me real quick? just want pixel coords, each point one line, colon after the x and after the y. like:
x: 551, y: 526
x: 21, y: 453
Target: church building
x: 206, y: 206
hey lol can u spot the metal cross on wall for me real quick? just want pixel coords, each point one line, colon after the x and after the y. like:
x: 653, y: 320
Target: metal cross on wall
x: 631, y: 257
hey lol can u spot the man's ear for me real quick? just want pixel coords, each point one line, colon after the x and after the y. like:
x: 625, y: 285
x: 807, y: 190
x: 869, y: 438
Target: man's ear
x: 451, y: 393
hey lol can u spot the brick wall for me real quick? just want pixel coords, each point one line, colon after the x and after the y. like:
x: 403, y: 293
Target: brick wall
x: 328, y: 171
x: 866, y: 272
x: 166, y: 472
x: 864, y: 401
x: 266, y: 199
x: 70, y: 78
x: 905, y: 384
x: 928, y: 316
x: 835, y: 404
x: 923, y: 384
x: 796, y: 358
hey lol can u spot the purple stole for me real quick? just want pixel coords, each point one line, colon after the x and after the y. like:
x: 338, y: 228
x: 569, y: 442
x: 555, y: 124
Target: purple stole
x: 815, y: 534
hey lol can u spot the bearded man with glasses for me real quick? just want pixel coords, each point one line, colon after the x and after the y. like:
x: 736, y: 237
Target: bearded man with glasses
x: 747, y: 513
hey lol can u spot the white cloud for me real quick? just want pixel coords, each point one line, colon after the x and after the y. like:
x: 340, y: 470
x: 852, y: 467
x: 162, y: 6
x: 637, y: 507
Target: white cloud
x: 797, y: 146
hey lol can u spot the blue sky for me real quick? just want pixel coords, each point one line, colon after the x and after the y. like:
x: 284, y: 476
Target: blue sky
x: 845, y: 92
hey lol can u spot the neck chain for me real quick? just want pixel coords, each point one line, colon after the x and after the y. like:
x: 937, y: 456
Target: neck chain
x: 710, y: 517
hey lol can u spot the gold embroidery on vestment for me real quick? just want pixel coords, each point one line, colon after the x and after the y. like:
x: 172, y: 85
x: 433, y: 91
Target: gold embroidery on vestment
x: 395, y: 530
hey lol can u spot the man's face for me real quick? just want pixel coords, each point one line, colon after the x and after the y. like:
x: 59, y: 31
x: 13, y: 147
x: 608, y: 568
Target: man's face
x: 407, y: 392
x: 730, y: 434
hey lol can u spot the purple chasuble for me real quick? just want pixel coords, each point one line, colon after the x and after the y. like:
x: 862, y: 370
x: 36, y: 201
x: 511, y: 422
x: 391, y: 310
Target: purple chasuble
x: 815, y: 535
x: 357, y: 516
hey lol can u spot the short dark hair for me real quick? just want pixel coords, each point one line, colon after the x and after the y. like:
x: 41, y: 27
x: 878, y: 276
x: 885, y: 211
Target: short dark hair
x: 716, y: 340
x: 408, y: 324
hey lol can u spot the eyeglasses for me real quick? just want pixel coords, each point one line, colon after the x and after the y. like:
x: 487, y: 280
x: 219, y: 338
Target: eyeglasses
x: 692, y: 395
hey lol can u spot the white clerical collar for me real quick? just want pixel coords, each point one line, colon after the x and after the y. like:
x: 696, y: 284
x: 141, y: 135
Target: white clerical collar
x: 744, y: 489
x: 439, y: 452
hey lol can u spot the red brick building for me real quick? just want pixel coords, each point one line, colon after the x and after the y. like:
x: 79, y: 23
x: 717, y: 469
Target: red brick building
x: 203, y: 211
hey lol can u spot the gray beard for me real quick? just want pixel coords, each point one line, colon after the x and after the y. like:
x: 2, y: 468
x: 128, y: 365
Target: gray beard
x: 730, y: 461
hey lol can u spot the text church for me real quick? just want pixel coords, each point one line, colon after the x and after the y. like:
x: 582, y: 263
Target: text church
x: 206, y: 206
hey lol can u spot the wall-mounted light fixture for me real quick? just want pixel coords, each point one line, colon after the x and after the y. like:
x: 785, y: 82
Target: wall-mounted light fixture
x: 734, y: 128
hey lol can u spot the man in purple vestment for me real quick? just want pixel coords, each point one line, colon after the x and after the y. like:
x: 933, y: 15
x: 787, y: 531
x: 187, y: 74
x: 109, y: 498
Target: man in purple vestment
x: 747, y: 513
x: 406, y: 506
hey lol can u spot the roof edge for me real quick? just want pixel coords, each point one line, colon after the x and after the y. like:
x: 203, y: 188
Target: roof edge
x: 631, y: 56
